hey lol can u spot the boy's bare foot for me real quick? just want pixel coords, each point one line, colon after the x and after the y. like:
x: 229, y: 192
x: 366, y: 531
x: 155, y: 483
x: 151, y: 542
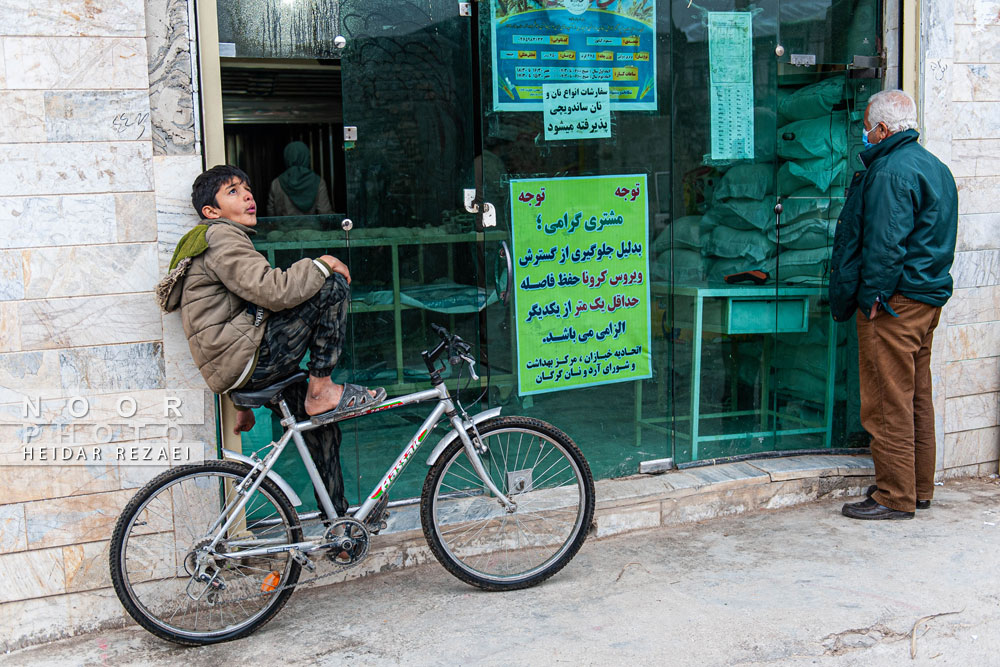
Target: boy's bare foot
x: 323, y: 395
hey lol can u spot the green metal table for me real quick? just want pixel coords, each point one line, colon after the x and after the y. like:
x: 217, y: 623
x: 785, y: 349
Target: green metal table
x: 758, y: 310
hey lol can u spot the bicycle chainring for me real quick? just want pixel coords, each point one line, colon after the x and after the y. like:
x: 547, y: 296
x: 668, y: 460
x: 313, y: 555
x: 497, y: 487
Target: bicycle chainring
x: 349, y: 540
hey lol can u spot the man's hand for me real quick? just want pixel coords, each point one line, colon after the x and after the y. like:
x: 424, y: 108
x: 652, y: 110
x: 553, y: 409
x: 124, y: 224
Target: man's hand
x: 337, y: 266
x: 871, y: 315
x: 244, y: 421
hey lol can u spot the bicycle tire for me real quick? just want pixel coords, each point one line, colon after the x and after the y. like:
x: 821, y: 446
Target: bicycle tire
x: 131, y: 531
x: 454, y: 503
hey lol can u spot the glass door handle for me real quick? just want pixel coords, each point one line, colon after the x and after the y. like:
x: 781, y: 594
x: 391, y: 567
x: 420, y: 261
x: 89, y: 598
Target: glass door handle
x: 472, y: 205
x: 504, y: 255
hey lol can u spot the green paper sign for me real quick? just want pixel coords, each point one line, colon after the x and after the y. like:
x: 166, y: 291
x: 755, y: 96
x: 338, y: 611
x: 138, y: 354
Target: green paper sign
x: 730, y: 55
x: 581, y: 272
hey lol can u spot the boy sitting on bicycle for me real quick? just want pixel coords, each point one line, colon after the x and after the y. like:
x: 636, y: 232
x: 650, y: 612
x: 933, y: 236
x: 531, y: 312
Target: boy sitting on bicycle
x: 249, y: 325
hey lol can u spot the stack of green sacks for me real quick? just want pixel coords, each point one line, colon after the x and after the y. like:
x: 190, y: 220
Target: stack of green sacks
x: 677, y: 250
x: 811, y: 180
x: 741, y: 214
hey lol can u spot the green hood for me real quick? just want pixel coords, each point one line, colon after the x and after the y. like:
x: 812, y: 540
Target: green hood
x: 191, y: 244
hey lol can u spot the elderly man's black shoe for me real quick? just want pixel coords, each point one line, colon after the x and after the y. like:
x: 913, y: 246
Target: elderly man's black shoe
x: 870, y: 510
x: 921, y: 504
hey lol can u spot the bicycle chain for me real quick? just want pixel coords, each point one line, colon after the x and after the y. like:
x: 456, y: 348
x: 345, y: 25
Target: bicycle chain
x: 338, y: 568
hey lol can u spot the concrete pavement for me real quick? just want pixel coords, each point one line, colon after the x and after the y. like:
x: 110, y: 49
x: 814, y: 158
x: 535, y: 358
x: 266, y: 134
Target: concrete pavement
x: 795, y: 586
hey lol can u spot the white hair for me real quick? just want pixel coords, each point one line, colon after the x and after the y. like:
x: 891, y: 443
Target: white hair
x: 895, y: 108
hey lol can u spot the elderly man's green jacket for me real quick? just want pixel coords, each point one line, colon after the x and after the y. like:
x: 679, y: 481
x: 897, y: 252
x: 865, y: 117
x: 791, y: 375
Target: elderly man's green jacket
x: 896, y: 233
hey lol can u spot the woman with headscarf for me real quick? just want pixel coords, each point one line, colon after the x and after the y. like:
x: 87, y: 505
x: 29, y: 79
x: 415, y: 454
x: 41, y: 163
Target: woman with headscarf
x: 298, y: 190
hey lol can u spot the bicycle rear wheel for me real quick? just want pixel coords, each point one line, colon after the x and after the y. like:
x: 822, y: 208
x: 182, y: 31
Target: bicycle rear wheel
x: 154, y: 555
x: 475, y: 538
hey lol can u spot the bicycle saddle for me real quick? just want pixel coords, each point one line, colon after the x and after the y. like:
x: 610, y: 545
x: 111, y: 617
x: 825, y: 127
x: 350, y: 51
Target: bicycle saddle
x: 260, y: 397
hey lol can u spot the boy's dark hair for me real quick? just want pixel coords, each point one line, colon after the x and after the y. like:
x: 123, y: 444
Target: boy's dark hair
x: 208, y: 183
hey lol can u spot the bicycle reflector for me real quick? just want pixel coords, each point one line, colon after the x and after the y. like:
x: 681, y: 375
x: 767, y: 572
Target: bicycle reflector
x: 270, y: 582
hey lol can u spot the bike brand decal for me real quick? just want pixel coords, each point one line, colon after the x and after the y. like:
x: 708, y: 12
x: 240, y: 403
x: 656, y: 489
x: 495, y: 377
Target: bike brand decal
x: 396, y: 469
x: 380, y: 408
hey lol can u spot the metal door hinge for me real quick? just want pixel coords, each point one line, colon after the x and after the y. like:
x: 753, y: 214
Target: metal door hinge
x: 350, y: 133
x: 465, y: 9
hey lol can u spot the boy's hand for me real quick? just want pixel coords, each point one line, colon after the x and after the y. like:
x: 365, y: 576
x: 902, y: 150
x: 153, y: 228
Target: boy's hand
x: 337, y: 266
x: 244, y: 421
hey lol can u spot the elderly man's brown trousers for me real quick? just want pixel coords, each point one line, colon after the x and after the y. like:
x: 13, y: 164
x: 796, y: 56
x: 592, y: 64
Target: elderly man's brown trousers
x: 897, y: 410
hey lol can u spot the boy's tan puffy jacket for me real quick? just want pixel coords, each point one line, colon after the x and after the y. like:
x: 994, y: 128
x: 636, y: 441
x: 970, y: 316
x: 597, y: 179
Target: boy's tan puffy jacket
x: 214, y: 292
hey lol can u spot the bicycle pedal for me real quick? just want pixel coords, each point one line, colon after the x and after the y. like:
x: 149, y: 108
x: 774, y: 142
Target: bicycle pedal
x: 303, y: 560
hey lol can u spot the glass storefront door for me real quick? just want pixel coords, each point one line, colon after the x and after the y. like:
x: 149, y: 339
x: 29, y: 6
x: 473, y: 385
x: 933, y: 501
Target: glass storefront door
x: 576, y: 160
x: 824, y: 78
x: 413, y: 249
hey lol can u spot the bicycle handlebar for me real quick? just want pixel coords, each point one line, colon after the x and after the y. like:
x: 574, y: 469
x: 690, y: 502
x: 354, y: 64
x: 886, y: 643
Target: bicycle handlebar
x: 458, y: 350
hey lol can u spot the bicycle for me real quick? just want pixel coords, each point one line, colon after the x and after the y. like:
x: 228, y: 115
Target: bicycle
x: 507, y: 503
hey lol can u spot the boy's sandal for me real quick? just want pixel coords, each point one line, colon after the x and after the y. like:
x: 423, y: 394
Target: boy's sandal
x: 355, y: 399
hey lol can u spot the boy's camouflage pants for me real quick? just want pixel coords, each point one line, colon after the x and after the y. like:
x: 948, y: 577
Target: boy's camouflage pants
x: 318, y: 326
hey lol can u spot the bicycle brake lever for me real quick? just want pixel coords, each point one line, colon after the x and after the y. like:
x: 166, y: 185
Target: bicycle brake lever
x: 472, y: 366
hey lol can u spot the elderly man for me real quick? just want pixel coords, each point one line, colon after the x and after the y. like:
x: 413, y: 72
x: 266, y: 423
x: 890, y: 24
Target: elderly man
x: 892, y: 253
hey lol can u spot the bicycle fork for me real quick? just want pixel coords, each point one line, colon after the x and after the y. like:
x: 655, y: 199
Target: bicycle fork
x: 472, y: 451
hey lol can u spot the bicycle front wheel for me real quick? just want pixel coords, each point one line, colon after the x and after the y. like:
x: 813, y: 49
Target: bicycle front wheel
x: 174, y: 584
x: 539, y: 468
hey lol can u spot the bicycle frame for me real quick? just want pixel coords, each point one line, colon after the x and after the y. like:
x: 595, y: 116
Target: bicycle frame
x: 294, y: 431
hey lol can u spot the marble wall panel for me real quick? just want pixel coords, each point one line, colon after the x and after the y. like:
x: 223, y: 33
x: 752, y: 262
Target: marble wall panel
x: 11, y: 275
x: 973, y: 341
x: 971, y: 447
x: 973, y: 376
x: 181, y: 372
x: 976, y: 268
x: 75, y: 519
x: 935, y: 107
x: 977, y: 12
x: 47, y: 169
x: 937, y: 28
x: 28, y: 622
x: 91, y: 611
x: 175, y: 216
x: 31, y: 574
x: 977, y: 43
x: 180, y: 406
x: 3, y: 67
x: 975, y: 157
x: 57, y: 220
x: 90, y: 270
x: 978, y: 231
x: 12, y: 528
x: 10, y: 327
x: 963, y: 413
x: 976, y: 304
x: 29, y: 374
x: 976, y: 82
x: 22, y: 116
x: 72, y: 18
x: 135, y: 215
x: 97, y: 115
x: 974, y: 120
x: 96, y: 425
x: 83, y: 321
x: 170, y: 77
x: 26, y: 483
x: 978, y: 194
x: 76, y: 63
x: 110, y: 368
x: 86, y: 566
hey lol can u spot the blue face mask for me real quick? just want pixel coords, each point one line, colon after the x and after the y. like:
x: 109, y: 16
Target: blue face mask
x: 864, y: 138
